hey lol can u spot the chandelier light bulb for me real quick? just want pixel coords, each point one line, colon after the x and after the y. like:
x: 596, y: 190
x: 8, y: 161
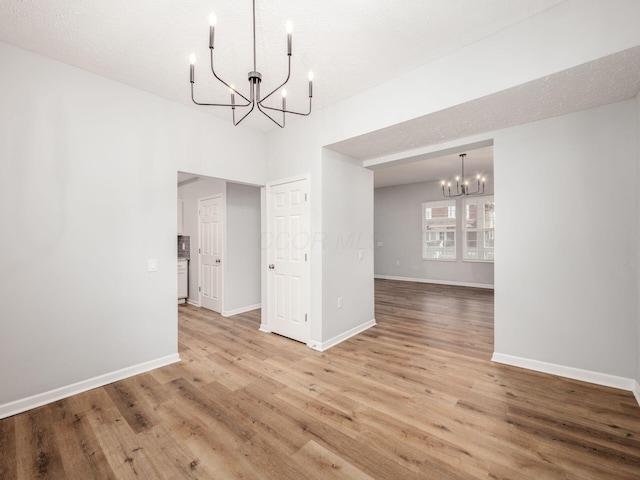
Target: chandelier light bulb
x: 457, y: 179
x: 478, y: 177
x: 232, y: 89
x: 449, y: 184
x: 289, y: 27
x: 483, y: 179
x: 213, y: 19
x: 192, y: 59
x: 443, y: 182
x: 284, y: 93
x: 310, y: 76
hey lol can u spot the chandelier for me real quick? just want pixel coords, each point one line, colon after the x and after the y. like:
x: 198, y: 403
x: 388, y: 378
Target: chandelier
x: 462, y: 185
x: 255, y: 99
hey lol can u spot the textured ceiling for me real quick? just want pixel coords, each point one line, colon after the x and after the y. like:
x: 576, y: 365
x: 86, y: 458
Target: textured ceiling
x: 350, y: 45
x: 429, y: 168
x: 606, y: 80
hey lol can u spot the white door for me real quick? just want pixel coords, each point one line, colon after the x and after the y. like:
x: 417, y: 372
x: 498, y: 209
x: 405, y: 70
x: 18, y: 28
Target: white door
x: 288, y: 269
x: 210, y: 218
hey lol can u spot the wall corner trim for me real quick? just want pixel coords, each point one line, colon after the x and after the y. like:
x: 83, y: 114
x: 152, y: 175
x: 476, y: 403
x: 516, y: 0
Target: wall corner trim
x: 588, y: 376
x: 636, y: 391
x: 238, y: 311
x: 24, y: 404
x: 332, y: 342
x: 438, y: 282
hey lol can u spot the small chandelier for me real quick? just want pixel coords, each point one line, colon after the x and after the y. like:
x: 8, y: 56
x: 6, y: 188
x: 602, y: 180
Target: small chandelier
x: 255, y: 78
x: 462, y: 185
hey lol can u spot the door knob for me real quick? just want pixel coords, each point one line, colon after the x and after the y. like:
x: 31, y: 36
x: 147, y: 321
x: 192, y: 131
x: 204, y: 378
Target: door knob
x: 217, y: 260
x: 271, y: 266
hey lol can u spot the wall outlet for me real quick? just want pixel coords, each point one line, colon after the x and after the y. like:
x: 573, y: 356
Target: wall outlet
x: 360, y: 254
x: 339, y: 302
x: 152, y: 265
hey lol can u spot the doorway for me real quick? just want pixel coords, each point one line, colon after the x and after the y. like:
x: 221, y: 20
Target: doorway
x: 221, y: 230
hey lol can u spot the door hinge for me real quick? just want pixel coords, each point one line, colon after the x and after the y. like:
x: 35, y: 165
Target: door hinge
x: 305, y: 317
x: 305, y: 257
x: 199, y: 251
x: 305, y: 197
x: 199, y: 289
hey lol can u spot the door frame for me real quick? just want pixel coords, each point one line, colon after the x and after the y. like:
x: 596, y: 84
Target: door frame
x: 267, y: 228
x: 223, y: 262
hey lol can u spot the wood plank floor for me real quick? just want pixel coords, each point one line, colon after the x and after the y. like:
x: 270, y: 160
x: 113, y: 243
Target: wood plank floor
x: 415, y: 397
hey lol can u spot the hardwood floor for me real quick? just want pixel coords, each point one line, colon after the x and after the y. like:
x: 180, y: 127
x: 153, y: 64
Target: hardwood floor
x: 415, y: 397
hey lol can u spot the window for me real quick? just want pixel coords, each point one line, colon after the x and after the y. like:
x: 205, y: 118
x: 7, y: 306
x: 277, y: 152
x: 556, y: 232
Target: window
x: 439, y: 230
x: 478, y: 228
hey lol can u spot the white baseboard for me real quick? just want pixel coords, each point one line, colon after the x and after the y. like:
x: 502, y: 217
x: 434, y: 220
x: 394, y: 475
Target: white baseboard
x: 438, y: 282
x: 332, y: 342
x: 195, y: 303
x: 238, y: 311
x: 598, y: 378
x: 24, y: 404
x: 264, y: 328
x: 636, y: 391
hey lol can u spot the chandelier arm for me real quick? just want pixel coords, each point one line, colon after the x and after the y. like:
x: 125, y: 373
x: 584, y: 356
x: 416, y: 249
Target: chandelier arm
x: 215, y: 104
x: 235, y: 124
x: 281, y: 85
x: 225, y: 83
x: 269, y: 116
x: 289, y: 111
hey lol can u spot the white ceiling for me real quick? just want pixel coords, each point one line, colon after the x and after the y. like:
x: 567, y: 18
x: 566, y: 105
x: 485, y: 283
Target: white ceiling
x: 423, y: 168
x: 350, y: 45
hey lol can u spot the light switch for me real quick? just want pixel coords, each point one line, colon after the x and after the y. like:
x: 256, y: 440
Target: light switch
x: 360, y: 254
x: 152, y: 265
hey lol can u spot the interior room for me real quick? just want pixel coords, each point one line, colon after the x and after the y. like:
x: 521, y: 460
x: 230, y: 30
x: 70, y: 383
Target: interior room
x: 328, y: 308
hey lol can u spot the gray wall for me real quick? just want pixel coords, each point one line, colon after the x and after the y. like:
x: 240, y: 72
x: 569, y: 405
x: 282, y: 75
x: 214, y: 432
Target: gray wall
x: 398, y: 226
x: 242, y: 267
x: 565, y: 273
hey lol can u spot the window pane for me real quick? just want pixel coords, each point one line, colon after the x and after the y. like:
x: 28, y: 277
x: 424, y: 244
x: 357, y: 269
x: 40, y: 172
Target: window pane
x: 440, y: 217
x: 478, y: 225
x: 472, y: 239
x: 489, y: 215
x: 489, y: 237
x: 439, y: 222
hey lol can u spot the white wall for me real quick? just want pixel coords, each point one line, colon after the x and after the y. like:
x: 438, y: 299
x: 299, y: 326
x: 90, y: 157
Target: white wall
x: 190, y: 193
x: 348, y: 230
x: 398, y: 225
x: 88, y: 195
x: 565, y: 273
x: 242, y: 259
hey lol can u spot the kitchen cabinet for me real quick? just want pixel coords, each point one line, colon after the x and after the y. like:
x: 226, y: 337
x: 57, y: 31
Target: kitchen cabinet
x: 180, y: 216
x: 183, y: 285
